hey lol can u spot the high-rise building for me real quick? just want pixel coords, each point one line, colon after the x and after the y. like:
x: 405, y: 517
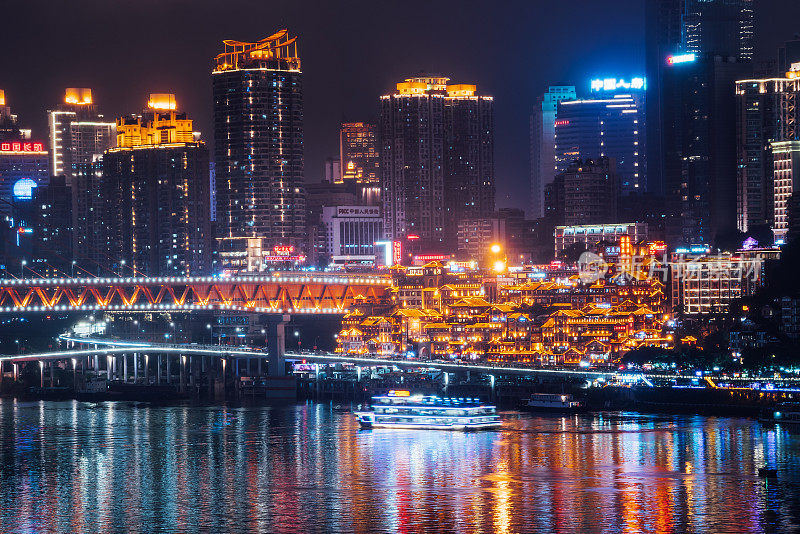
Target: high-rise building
x: 698, y: 138
x: 156, y: 185
x: 718, y: 27
x: 676, y: 27
x: 52, y: 228
x: 786, y: 166
x: 78, y: 134
x: 543, y: 132
x: 358, y: 153
x: 258, y: 149
x: 435, y: 137
x: 78, y: 137
x: 766, y: 111
x: 9, y: 123
x: 611, y: 124
x: 591, y: 188
x: 789, y: 54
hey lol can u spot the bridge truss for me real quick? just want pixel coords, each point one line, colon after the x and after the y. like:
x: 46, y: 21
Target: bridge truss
x: 278, y: 293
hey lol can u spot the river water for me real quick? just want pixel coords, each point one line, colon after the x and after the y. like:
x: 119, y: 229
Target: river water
x: 79, y: 467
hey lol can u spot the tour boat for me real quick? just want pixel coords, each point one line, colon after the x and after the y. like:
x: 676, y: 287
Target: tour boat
x: 785, y: 413
x: 554, y: 402
x: 400, y: 409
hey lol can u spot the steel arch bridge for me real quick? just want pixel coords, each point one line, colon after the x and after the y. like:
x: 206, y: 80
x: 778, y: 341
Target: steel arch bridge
x: 280, y: 293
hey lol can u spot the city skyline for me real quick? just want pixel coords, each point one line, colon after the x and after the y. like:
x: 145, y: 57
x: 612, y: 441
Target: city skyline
x: 549, y: 51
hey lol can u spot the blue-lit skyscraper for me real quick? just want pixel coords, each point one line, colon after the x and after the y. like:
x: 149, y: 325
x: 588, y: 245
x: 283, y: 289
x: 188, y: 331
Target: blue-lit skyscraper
x: 543, y: 131
x: 609, y: 125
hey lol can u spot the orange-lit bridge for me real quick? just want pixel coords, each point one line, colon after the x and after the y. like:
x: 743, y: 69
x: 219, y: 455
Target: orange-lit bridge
x: 278, y: 293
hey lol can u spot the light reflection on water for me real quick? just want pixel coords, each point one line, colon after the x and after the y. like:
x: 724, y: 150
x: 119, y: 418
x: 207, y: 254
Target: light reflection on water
x: 69, y: 466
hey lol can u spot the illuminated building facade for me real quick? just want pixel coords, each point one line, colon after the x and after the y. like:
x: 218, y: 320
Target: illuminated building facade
x: 610, y: 124
x: 706, y: 284
x: 786, y: 166
x: 23, y: 167
x: 543, y: 132
x: 591, y: 234
x: 698, y: 138
x: 78, y: 137
x: 78, y: 134
x: 359, y: 156
x: 258, y: 150
x: 435, y: 136
x: 433, y: 313
x: 351, y: 232
x: 156, y: 185
x: 766, y: 112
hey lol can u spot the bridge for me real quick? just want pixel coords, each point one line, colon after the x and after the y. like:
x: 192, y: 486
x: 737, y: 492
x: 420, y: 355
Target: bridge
x: 276, y: 293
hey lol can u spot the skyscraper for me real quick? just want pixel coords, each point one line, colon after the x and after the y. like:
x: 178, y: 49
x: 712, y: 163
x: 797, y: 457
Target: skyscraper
x: 543, y: 142
x: 434, y: 137
x: 591, y: 188
x: 469, y: 158
x: 699, y: 147
x: 156, y: 192
x: 611, y: 124
x: 78, y: 137
x: 766, y: 111
x: 258, y: 150
x: 23, y: 168
x: 719, y: 27
x: 78, y: 134
x: 358, y: 153
x: 673, y: 27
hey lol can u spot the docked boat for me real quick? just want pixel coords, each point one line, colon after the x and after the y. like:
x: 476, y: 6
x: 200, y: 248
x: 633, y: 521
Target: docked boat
x: 554, y: 402
x: 400, y: 409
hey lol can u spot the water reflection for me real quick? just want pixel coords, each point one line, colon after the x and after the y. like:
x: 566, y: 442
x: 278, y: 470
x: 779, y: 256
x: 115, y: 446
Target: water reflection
x: 81, y: 467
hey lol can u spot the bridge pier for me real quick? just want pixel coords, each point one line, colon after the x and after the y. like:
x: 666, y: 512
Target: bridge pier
x: 158, y: 370
x: 135, y: 367
x: 146, y: 369
x: 169, y: 369
x: 52, y: 373
x: 279, y: 386
x: 181, y: 366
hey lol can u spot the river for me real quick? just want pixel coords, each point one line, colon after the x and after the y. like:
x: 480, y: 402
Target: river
x: 78, y: 467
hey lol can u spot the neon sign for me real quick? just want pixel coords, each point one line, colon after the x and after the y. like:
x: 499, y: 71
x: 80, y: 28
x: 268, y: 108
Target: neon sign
x: 22, y: 147
x: 397, y: 252
x: 283, y: 250
x: 562, y: 123
x: 614, y: 84
x: 681, y: 58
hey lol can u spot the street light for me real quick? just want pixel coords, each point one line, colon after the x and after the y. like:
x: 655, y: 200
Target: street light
x: 73, y: 268
x: 122, y: 267
x: 495, y: 248
x: 22, y: 265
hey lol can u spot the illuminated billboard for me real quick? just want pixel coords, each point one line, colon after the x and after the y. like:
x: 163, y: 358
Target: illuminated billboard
x: 638, y: 83
x: 681, y: 58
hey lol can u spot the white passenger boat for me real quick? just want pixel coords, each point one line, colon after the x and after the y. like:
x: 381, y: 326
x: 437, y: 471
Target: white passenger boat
x: 554, y: 402
x: 400, y: 409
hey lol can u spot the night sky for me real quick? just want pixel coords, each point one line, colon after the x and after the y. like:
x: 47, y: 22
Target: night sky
x: 352, y: 52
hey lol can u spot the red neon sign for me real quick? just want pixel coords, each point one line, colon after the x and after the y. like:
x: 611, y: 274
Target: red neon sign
x: 412, y: 237
x: 283, y: 250
x: 562, y: 123
x: 397, y: 252
x: 22, y: 147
